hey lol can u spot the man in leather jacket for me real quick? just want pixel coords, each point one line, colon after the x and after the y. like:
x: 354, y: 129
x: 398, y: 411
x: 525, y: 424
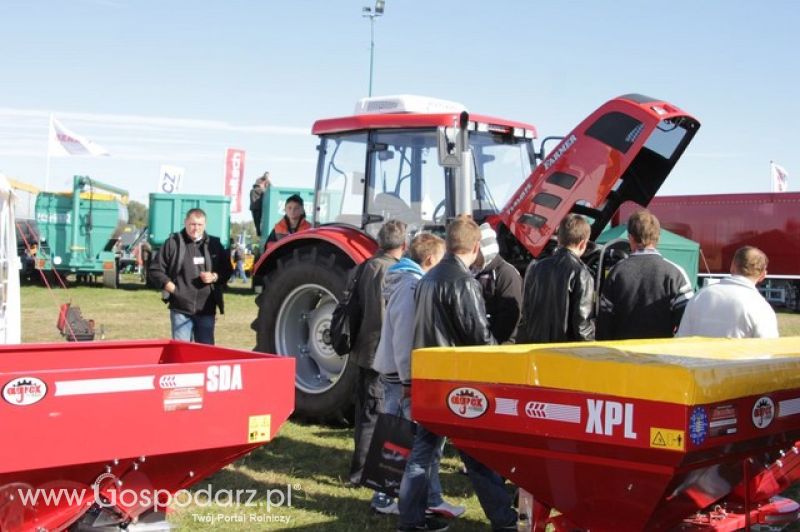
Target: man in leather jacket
x: 450, y: 311
x: 558, y: 304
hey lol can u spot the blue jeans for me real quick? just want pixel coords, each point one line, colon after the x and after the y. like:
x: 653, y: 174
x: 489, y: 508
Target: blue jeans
x: 192, y: 328
x: 422, y: 461
x: 239, y: 271
x: 491, y: 491
x: 395, y: 404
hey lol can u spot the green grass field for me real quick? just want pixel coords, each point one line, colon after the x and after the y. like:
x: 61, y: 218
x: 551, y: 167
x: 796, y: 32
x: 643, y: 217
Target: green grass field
x: 313, y: 460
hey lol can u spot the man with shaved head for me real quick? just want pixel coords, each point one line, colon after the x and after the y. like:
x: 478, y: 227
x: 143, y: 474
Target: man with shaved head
x: 733, y: 308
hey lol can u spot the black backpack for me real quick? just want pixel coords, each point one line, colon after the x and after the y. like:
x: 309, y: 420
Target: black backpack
x: 346, y: 319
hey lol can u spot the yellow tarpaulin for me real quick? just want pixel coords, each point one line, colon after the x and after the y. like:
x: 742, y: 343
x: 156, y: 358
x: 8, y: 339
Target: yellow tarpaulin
x: 683, y: 371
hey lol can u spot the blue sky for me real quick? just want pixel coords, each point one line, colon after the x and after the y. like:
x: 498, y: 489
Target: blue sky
x: 176, y: 82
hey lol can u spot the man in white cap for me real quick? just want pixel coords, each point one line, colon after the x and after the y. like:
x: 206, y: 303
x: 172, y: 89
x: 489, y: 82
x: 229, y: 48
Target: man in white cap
x: 502, y: 288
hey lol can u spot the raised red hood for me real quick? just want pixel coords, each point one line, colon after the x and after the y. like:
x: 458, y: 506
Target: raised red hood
x: 622, y: 152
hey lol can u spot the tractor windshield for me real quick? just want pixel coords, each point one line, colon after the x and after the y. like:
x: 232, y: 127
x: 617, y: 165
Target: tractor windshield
x: 405, y: 179
x: 502, y: 162
x: 398, y: 171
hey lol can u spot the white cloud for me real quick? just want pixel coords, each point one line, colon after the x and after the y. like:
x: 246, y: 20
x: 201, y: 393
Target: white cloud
x: 149, y: 123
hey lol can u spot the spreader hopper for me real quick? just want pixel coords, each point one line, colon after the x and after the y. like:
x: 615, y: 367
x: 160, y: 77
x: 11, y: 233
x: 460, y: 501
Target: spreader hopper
x: 637, y: 435
x: 84, y: 422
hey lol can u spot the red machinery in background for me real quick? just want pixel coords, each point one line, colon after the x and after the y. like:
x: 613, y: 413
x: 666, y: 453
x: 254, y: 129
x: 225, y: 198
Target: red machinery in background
x: 151, y: 417
x: 722, y: 223
x: 688, y: 434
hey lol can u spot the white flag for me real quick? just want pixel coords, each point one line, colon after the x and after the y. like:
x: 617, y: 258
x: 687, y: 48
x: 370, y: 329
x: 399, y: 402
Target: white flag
x: 780, y: 178
x: 170, y: 180
x: 64, y: 143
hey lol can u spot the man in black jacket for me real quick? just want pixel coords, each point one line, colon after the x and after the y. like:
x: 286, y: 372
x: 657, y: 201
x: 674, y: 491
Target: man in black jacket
x: 192, y: 269
x: 450, y: 311
x: 368, y: 389
x: 644, y: 296
x: 558, y: 303
x: 502, y: 288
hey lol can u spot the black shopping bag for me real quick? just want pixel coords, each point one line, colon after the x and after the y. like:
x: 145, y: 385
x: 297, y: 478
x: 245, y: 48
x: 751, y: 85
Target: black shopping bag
x: 388, y: 453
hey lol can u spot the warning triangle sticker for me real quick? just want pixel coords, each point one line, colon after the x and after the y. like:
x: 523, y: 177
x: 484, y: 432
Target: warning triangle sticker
x: 658, y: 440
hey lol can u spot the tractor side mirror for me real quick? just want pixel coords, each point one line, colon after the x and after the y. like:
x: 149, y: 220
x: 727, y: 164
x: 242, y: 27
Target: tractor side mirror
x: 449, y: 154
x: 542, y: 146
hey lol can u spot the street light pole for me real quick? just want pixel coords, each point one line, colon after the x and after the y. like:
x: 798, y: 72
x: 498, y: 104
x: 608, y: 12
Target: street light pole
x: 372, y: 13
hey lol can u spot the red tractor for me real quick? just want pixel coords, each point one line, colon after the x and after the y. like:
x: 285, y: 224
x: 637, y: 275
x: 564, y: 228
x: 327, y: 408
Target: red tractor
x: 425, y: 161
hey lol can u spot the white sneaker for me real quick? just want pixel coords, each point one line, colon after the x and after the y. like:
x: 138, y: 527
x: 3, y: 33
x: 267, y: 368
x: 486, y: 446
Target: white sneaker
x: 445, y: 509
x: 389, y: 509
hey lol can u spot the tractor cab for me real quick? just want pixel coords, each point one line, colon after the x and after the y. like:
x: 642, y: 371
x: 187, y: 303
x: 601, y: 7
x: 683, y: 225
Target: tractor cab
x: 386, y: 162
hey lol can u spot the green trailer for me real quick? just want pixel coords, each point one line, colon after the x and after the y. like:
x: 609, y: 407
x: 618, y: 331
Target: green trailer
x: 79, y: 230
x: 168, y: 211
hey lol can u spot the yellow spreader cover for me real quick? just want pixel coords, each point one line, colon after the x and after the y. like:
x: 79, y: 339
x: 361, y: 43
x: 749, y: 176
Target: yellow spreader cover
x: 684, y: 371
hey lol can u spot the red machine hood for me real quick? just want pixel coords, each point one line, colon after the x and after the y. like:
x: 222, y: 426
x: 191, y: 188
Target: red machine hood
x: 622, y: 152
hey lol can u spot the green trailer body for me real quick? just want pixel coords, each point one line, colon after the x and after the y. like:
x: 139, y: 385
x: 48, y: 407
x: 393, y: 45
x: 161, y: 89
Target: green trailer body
x: 168, y: 211
x: 272, y: 203
x: 78, y: 230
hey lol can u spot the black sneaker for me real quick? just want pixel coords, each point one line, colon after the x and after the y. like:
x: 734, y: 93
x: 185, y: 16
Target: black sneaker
x: 512, y: 527
x: 431, y: 524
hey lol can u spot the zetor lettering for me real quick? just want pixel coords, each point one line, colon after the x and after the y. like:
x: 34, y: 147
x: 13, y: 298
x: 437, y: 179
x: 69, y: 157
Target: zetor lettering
x: 603, y: 420
x: 223, y: 378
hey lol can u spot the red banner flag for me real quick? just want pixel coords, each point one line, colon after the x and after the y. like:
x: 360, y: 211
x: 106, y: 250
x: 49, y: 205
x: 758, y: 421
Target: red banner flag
x: 234, y: 175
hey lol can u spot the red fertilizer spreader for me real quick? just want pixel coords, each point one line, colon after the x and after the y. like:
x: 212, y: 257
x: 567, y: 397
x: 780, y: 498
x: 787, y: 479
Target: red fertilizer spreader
x: 87, y: 423
x: 685, y: 434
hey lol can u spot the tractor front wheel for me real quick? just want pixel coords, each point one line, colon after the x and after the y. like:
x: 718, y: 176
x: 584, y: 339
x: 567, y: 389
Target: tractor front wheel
x: 294, y: 317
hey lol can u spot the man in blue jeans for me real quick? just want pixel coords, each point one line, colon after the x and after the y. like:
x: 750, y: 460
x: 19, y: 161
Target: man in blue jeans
x: 450, y: 311
x: 192, y: 269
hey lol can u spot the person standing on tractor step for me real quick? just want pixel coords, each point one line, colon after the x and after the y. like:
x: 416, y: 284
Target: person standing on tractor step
x: 256, y: 199
x: 644, y: 296
x: 292, y: 222
x: 559, y: 290
x: 450, y: 311
x: 368, y: 389
x: 733, y: 308
x: 192, y: 268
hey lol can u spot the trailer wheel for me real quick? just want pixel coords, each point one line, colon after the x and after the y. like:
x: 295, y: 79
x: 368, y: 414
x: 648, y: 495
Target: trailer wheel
x: 294, y: 318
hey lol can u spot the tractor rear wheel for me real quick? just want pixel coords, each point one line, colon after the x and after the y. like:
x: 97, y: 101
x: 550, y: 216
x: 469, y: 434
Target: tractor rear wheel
x: 294, y: 316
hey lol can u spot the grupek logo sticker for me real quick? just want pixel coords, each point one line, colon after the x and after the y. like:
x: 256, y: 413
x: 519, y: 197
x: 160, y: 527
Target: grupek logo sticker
x: 467, y: 402
x: 763, y: 412
x: 24, y: 391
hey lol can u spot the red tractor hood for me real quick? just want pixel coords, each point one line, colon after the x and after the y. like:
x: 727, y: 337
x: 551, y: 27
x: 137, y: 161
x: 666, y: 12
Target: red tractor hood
x: 622, y: 152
